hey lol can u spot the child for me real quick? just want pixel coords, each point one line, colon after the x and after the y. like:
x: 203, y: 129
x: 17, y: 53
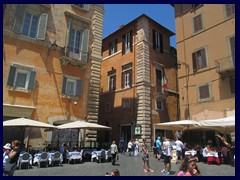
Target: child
x: 189, y: 167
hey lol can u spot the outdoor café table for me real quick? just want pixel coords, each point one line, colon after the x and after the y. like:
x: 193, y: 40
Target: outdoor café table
x: 97, y: 154
x: 50, y: 157
x: 20, y: 159
x: 213, y: 157
x: 190, y: 153
x: 88, y: 152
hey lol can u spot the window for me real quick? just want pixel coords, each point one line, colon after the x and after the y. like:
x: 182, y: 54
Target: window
x: 21, y: 77
x: 127, y: 75
x: 107, y: 107
x: 204, y: 93
x: 113, y: 47
x: 159, y: 105
x: 78, y: 43
x: 199, y: 59
x: 30, y: 24
x: 112, y: 82
x: 232, y: 84
x: 126, y: 103
x: 71, y: 86
x: 127, y: 43
x: 197, y: 23
x: 232, y: 48
x: 159, y: 80
x: 157, y: 41
x: 230, y: 10
x: 83, y: 6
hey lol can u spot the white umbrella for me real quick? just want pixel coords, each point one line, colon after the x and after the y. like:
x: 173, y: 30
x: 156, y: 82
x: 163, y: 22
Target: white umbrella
x: 27, y: 123
x: 222, y: 124
x: 180, y: 125
x: 83, y: 125
x: 176, y: 125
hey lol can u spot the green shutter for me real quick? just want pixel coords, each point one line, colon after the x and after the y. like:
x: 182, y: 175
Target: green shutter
x: 32, y: 79
x: 19, y: 17
x: 84, y: 48
x: 64, y: 85
x: 123, y: 44
x: 154, y: 41
x: 42, y: 26
x: 194, y: 62
x: 79, y: 88
x: 131, y: 40
x: 11, y: 75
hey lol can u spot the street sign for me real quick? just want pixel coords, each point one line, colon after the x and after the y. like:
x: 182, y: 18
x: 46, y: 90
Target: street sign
x: 138, y: 130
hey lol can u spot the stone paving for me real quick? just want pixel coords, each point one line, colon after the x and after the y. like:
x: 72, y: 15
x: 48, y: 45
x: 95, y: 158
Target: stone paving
x: 127, y: 165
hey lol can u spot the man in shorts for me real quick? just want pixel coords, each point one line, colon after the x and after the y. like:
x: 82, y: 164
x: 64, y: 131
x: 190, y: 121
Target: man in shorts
x: 167, y: 157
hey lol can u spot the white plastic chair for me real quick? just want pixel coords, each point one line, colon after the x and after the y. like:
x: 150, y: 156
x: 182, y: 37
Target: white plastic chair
x: 43, y: 158
x: 56, y: 158
x: 24, y: 159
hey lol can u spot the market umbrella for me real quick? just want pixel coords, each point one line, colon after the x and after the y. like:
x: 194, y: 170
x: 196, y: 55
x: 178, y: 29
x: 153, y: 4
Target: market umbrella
x: 222, y: 124
x: 83, y: 125
x: 24, y: 122
x: 180, y: 125
x: 27, y: 123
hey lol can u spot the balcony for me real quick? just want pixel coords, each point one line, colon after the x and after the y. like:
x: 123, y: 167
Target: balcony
x: 226, y: 64
x: 67, y: 57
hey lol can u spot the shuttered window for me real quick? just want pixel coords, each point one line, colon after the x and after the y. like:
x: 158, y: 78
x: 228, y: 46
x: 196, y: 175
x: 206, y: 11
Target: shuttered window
x: 197, y: 23
x: 21, y: 77
x: 113, y: 47
x: 126, y: 103
x: 232, y: 49
x: 157, y: 41
x: 71, y: 87
x: 199, y: 59
x: 230, y: 10
x: 78, y: 39
x: 159, y: 80
x: 30, y: 24
x: 159, y: 105
x: 127, y: 42
x: 204, y: 93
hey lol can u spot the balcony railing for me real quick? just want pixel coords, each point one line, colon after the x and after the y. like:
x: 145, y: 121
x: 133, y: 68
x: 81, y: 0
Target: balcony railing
x: 225, y: 64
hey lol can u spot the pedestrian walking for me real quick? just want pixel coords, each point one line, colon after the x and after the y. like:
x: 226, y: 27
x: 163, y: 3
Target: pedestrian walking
x: 122, y: 146
x: 159, y: 148
x: 145, y: 157
x: 114, y: 152
x: 179, y: 146
x: 167, y: 156
x: 130, y: 144
x: 136, y: 147
x: 189, y: 167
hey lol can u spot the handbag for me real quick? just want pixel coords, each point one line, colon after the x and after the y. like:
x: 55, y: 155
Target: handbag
x: 8, y: 168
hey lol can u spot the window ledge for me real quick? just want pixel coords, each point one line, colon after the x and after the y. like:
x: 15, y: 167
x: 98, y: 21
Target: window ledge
x: 23, y: 90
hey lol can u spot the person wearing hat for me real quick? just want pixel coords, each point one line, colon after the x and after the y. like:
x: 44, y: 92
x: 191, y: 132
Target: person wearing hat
x: 6, y: 151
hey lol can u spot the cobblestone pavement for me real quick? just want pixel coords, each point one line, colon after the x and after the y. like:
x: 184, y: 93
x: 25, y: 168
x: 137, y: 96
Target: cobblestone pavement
x: 127, y: 165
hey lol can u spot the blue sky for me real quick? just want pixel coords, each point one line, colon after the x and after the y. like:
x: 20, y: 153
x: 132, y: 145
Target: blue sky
x: 117, y: 14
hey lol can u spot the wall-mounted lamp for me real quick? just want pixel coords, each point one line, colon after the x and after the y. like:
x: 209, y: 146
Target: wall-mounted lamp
x: 180, y: 63
x: 53, y: 47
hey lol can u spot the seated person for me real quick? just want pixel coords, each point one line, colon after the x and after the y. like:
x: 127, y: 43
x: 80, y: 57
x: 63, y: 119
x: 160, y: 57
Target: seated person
x: 205, y: 151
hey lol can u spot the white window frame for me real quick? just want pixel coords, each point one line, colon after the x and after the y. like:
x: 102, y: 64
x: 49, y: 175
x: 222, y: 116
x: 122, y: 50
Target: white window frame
x: 206, y: 57
x: 73, y: 53
x: 111, y: 82
x: 24, y: 71
x: 74, y: 81
x: 30, y: 26
x: 127, y: 42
